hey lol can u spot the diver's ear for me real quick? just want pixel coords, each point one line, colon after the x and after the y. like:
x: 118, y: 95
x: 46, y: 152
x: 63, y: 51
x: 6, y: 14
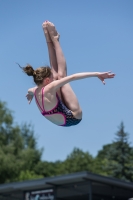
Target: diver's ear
x: 46, y: 80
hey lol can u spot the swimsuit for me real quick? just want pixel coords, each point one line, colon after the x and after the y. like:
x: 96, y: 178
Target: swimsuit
x: 60, y: 108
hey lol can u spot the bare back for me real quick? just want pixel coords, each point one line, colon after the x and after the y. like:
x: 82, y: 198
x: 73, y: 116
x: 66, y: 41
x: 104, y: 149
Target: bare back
x: 47, y: 103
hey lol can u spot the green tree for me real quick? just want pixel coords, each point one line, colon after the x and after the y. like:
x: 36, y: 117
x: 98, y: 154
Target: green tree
x: 18, y: 148
x: 47, y: 169
x: 101, y: 161
x: 118, y: 157
x: 121, y: 156
x: 75, y: 162
x: 78, y: 161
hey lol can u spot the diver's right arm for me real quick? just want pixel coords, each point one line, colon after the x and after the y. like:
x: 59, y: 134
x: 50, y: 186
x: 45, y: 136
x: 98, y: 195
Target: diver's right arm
x: 55, y: 85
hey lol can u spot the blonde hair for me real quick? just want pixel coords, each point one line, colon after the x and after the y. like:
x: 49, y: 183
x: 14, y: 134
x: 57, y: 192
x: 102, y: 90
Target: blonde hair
x: 39, y: 74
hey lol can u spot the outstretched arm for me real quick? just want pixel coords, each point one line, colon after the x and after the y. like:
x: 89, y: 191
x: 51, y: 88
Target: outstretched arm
x: 101, y: 75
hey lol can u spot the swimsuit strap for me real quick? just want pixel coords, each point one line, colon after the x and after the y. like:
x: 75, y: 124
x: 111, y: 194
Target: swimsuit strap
x: 38, y: 103
x: 43, y: 99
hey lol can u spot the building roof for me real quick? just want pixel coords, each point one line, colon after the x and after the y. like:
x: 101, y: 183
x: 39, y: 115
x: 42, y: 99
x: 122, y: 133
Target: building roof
x: 46, y: 183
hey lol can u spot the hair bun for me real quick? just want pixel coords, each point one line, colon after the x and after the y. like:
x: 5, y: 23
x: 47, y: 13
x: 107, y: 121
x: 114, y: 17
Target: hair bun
x: 29, y: 70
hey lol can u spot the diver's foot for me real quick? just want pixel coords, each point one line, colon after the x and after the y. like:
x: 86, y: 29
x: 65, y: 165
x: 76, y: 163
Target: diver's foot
x: 46, y: 33
x: 52, y: 31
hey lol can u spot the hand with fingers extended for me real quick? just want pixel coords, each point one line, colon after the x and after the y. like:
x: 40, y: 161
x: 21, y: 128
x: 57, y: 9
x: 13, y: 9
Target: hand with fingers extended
x: 30, y: 94
x: 105, y: 75
x: 29, y: 97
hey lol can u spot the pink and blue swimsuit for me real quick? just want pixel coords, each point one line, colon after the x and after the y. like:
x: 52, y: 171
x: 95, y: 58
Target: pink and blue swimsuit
x: 60, y: 108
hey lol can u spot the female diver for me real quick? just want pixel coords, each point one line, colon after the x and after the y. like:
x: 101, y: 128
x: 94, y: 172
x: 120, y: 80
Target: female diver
x: 54, y: 96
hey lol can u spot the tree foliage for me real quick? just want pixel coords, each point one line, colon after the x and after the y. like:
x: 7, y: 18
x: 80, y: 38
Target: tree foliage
x: 75, y: 162
x: 18, y: 148
x: 118, y: 157
x: 78, y: 161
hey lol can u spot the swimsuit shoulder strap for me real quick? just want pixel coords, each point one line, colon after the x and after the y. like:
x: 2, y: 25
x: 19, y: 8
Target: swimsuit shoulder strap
x: 38, y: 102
x: 43, y: 99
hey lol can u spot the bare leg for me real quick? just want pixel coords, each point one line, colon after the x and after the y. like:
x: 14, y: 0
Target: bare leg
x: 68, y: 94
x: 51, y: 51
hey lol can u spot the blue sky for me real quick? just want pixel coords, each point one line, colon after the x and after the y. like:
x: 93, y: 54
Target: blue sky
x: 95, y: 36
